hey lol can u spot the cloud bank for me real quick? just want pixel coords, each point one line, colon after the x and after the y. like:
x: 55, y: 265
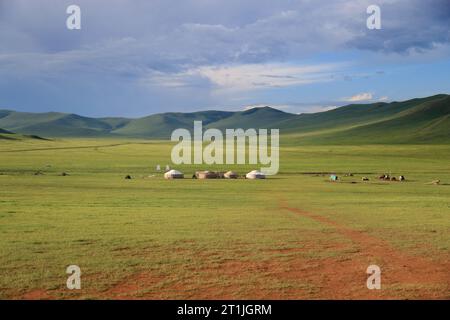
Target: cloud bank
x: 169, y: 53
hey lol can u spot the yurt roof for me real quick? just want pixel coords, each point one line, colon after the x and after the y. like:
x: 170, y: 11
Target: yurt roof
x: 173, y: 172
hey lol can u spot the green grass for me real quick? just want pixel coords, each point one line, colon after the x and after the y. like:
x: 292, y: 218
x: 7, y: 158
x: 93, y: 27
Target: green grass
x: 186, y: 231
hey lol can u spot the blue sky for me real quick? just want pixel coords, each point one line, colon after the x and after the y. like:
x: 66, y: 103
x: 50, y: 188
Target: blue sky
x: 134, y: 58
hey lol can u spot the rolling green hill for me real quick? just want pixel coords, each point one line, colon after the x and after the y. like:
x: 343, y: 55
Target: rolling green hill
x: 162, y: 125
x: 265, y: 117
x: 5, y: 134
x: 424, y: 120
x: 414, y: 121
x: 53, y: 124
x: 115, y: 123
x: 354, y: 114
x: 4, y: 131
x: 8, y: 135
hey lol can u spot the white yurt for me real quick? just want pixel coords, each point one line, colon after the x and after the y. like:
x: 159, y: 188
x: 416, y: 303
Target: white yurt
x: 230, y: 175
x: 255, y: 174
x: 173, y: 174
x: 206, y: 175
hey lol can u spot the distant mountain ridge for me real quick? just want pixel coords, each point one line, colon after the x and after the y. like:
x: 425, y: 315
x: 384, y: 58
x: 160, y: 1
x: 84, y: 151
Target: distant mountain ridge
x: 8, y: 135
x: 5, y: 131
x: 422, y: 120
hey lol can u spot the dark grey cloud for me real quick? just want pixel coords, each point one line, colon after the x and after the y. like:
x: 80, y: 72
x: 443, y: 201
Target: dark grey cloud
x: 407, y: 25
x: 206, y: 31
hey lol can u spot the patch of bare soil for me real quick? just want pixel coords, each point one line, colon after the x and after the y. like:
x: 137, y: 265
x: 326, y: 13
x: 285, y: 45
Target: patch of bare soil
x: 403, y: 275
x: 36, y: 295
x: 319, y: 268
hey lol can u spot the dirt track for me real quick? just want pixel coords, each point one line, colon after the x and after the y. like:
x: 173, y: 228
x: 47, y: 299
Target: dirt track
x: 403, y: 276
x: 426, y: 279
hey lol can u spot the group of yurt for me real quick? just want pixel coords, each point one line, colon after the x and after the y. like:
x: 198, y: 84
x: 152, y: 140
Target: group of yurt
x: 202, y: 175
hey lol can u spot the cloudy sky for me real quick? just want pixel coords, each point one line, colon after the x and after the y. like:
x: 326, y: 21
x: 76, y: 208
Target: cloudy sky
x: 138, y: 57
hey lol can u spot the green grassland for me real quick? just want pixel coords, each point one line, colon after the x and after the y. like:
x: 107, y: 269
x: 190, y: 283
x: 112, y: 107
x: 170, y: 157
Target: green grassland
x: 212, y: 238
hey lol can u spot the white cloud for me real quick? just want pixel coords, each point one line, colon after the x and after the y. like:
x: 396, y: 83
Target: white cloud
x: 315, y: 109
x: 365, y: 96
x: 245, y: 77
x: 180, y: 54
x: 255, y: 106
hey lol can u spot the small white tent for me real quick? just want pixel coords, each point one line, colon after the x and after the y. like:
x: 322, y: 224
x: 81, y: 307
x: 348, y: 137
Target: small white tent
x: 255, y: 174
x: 230, y: 175
x: 173, y: 174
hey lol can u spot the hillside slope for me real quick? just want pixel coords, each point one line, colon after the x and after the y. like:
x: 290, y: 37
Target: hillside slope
x: 162, y: 125
x: 415, y: 121
x: 422, y: 120
x: 4, y: 131
x: 5, y: 134
x: 53, y: 124
x: 265, y: 117
x: 353, y: 114
x: 8, y: 135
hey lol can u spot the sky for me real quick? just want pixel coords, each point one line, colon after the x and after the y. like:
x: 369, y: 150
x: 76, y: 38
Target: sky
x: 138, y: 57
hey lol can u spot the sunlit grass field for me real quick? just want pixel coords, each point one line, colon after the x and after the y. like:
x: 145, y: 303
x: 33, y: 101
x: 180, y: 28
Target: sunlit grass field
x: 152, y: 238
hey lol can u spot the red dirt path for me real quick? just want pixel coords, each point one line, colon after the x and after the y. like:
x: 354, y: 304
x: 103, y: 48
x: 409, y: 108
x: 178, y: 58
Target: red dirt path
x: 403, y: 276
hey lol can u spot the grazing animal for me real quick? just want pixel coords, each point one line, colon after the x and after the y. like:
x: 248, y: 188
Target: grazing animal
x: 401, y: 178
x: 393, y: 179
x: 365, y: 179
x: 127, y: 177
